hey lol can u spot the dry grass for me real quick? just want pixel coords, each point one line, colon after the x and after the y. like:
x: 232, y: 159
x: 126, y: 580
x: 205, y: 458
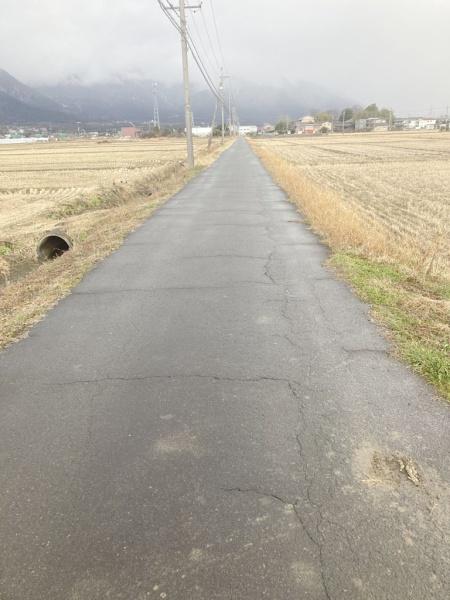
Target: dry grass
x: 384, y: 193
x: 381, y: 203
x: 97, y: 193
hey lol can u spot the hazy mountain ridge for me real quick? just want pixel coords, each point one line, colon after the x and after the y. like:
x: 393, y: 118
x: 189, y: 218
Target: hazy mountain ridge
x: 131, y: 99
x: 21, y: 103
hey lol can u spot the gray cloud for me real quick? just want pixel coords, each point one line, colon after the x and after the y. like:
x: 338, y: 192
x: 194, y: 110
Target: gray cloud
x: 394, y: 52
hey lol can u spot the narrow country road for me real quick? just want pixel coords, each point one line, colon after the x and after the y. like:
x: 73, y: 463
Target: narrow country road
x: 212, y: 415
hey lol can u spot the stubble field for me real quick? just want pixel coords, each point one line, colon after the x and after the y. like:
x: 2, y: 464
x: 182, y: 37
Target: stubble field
x: 40, y: 184
x: 95, y: 191
x: 397, y: 184
x: 382, y: 204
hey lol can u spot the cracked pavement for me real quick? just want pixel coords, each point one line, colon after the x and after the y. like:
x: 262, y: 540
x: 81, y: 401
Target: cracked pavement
x: 211, y: 414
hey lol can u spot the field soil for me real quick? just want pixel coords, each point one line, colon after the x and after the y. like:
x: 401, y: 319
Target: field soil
x: 94, y: 191
x: 381, y: 203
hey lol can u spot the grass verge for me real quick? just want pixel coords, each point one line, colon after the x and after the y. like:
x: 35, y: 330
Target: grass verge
x: 96, y: 231
x: 412, y: 305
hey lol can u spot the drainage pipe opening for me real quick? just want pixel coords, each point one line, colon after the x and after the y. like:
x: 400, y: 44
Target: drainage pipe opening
x: 54, y: 244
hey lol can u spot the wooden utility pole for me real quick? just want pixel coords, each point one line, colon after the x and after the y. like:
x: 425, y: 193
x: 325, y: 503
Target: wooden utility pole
x: 182, y: 28
x: 213, y: 126
x: 230, y: 114
x: 222, y: 104
x: 187, y: 93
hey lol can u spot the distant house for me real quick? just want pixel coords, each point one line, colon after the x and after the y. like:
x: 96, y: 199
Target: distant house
x: 371, y: 124
x: 326, y: 126
x: 248, y: 129
x: 416, y: 123
x: 130, y: 132
x: 307, y: 126
x: 426, y: 124
x: 268, y: 128
x: 347, y: 127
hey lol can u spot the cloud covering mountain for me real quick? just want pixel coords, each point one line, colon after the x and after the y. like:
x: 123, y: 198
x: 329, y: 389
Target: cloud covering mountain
x: 131, y: 99
x: 394, y: 53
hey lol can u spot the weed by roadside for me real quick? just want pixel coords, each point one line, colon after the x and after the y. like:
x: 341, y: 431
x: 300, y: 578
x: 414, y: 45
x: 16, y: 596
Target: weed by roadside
x: 415, y: 312
x: 408, y: 291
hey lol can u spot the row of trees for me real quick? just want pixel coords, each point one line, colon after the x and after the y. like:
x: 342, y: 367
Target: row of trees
x: 371, y: 111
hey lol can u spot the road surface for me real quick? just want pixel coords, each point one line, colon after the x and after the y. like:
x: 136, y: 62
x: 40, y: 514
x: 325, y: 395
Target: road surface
x: 212, y: 415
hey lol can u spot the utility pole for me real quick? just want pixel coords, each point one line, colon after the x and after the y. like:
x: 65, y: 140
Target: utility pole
x: 187, y: 93
x: 222, y: 96
x: 230, y: 113
x: 156, y: 122
x: 213, y: 125
x: 222, y: 104
x: 181, y: 9
x: 343, y: 121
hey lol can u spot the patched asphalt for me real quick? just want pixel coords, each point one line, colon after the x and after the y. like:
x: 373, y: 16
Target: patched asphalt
x: 211, y: 414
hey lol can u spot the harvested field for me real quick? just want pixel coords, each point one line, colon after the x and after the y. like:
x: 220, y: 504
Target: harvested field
x: 39, y: 182
x: 396, y: 184
x: 381, y: 202
x: 94, y: 191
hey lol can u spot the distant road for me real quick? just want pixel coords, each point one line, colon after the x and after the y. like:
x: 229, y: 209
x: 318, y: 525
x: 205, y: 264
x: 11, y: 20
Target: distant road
x: 212, y: 415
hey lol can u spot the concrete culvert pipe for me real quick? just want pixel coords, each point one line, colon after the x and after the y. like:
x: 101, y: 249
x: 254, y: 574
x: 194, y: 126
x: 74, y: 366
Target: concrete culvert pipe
x: 53, y: 244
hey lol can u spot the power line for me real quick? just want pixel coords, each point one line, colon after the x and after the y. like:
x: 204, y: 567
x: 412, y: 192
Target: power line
x: 182, y: 28
x: 192, y: 47
x: 210, y: 40
x: 189, y: 43
x: 213, y: 12
x: 203, y: 46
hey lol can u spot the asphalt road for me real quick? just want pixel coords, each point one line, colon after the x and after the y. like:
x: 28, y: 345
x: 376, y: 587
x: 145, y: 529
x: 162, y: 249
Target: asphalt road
x: 212, y: 415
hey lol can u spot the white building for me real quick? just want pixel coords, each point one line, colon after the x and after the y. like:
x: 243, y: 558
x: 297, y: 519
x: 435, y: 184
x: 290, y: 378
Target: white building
x: 426, y: 124
x: 201, y: 131
x: 24, y: 140
x: 419, y: 123
x: 248, y: 130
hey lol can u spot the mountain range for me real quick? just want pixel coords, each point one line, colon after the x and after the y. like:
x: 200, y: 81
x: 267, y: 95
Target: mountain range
x: 130, y: 99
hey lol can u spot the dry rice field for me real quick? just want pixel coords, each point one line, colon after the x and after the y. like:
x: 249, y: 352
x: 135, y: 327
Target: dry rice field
x: 96, y: 192
x: 398, y: 184
x: 37, y: 180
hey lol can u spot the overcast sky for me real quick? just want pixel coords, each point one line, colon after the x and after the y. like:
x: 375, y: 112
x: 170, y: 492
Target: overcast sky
x: 394, y: 52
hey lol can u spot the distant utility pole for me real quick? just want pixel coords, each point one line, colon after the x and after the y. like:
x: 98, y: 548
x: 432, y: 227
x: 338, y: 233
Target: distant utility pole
x: 181, y: 9
x: 343, y: 121
x: 230, y: 113
x: 222, y: 104
x: 156, y: 122
x: 213, y: 125
x: 235, y: 121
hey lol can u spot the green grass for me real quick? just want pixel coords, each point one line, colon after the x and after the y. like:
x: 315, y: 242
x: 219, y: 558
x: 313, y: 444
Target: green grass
x: 5, y: 249
x: 415, y: 311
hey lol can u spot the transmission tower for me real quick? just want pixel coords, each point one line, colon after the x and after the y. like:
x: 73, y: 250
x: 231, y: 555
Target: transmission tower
x: 156, y: 122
